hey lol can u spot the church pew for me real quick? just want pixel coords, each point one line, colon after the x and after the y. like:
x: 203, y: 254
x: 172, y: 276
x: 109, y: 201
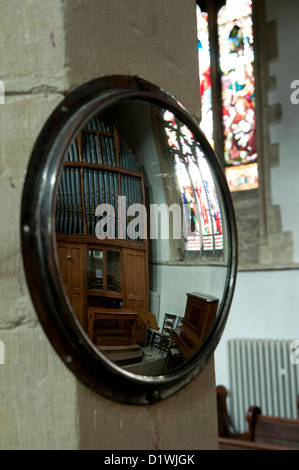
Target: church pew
x: 229, y: 443
x: 264, y: 432
x: 273, y: 430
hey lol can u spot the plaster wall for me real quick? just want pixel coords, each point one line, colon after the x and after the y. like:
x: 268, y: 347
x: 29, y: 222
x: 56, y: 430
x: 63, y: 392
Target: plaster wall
x: 265, y: 304
x: 285, y: 190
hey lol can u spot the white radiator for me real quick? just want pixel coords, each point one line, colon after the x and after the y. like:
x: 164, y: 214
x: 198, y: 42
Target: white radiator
x: 262, y: 373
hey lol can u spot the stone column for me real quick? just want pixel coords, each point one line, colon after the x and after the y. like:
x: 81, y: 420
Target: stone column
x: 47, y: 49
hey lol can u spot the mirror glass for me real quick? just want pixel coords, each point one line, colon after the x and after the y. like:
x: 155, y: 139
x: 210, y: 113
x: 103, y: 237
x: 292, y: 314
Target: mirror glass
x: 141, y: 237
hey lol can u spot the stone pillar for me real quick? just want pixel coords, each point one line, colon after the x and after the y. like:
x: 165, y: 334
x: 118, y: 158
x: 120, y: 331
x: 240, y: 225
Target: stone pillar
x: 47, y: 49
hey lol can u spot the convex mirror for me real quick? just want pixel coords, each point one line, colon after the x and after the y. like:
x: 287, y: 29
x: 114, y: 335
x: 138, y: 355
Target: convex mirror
x: 129, y: 239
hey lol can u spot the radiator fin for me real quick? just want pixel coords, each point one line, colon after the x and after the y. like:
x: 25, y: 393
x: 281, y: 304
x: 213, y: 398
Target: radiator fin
x: 262, y: 374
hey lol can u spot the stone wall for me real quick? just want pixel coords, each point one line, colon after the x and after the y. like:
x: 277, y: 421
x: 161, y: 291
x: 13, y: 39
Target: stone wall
x: 264, y: 243
x: 47, y: 49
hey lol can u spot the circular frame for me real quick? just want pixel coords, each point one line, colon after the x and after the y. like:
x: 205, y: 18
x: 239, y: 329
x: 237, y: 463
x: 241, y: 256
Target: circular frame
x: 39, y: 245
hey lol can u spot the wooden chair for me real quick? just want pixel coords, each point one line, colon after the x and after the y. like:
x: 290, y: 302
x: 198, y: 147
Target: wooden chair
x: 162, y: 339
x: 146, y: 325
x: 180, y: 322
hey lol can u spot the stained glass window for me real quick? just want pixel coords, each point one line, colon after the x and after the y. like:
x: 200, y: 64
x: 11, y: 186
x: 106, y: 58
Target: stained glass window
x: 238, y: 91
x: 205, y: 74
x: 202, y: 216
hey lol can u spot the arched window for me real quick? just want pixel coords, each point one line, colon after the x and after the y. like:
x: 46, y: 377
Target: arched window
x: 236, y: 45
x: 202, y: 215
x: 228, y: 107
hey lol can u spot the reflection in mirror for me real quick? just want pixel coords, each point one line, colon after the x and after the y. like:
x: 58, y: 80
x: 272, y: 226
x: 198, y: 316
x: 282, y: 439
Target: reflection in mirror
x: 141, y: 237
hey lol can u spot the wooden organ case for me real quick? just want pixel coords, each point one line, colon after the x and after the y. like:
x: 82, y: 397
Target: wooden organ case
x: 100, y: 272
x: 200, y: 316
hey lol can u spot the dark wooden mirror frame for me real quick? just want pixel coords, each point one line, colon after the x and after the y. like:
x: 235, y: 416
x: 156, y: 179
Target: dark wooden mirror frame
x: 39, y: 244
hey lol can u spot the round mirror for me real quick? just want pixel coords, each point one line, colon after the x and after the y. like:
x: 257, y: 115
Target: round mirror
x: 129, y: 239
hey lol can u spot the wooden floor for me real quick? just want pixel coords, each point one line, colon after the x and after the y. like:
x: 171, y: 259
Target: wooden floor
x: 149, y: 368
x: 123, y: 355
x: 153, y: 363
x: 139, y: 359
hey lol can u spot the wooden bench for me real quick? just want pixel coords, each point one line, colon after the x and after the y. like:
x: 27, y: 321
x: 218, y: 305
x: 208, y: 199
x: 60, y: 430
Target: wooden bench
x: 264, y: 432
x: 225, y: 426
x: 121, y: 330
x: 272, y: 430
x: 227, y: 443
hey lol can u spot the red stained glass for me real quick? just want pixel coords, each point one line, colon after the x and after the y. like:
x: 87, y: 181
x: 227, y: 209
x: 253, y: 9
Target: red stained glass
x: 238, y: 90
